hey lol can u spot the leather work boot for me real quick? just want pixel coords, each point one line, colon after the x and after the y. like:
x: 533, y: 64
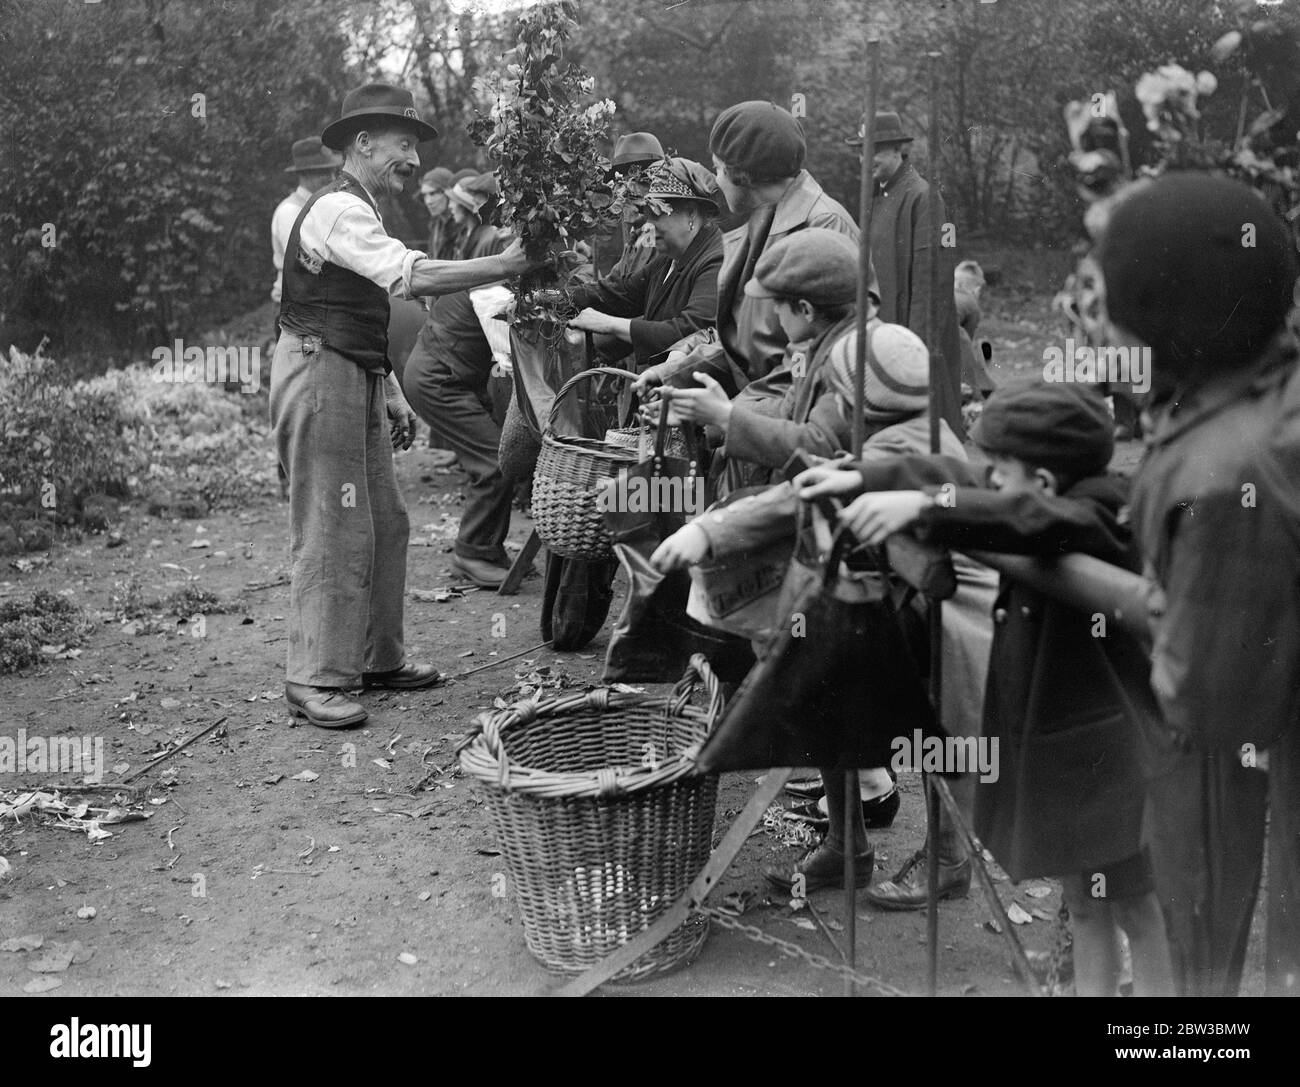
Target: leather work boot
x: 484, y: 574
x: 324, y: 707
x: 410, y: 677
x: 908, y: 890
x: 822, y: 867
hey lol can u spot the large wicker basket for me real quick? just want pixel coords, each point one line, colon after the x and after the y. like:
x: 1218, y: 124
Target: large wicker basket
x: 601, y: 816
x: 569, y: 475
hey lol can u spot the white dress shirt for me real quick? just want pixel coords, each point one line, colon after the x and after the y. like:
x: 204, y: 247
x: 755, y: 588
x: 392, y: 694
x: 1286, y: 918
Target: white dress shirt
x: 285, y: 215
x: 345, y: 230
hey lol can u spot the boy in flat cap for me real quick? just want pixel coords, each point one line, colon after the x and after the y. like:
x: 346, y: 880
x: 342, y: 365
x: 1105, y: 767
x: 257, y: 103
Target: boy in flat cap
x: 338, y: 412
x: 1065, y: 705
x: 895, y: 401
x: 1216, y: 507
x: 758, y: 152
x: 810, y: 279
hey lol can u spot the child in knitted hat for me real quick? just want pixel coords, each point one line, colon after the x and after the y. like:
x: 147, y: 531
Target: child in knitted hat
x: 812, y: 278
x: 895, y: 408
x: 1065, y: 698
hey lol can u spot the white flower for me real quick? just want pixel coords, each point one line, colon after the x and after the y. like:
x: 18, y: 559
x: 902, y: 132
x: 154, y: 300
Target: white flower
x: 1206, y: 84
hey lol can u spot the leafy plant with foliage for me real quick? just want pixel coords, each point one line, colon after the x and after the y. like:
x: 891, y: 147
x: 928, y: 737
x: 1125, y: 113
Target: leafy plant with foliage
x: 550, y: 170
x: 1265, y: 150
x: 125, y: 432
x: 39, y: 629
x: 78, y: 438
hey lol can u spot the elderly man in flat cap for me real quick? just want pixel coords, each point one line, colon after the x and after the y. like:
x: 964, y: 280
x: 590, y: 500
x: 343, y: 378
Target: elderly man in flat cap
x: 900, y: 250
x: 316, y: 166
x: 338, y: 412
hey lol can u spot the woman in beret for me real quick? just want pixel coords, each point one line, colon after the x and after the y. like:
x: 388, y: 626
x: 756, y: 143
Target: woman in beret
x: 676, y: 292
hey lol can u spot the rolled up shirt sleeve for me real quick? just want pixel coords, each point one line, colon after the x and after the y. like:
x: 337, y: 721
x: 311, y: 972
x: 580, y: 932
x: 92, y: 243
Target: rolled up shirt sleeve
x: 344, y: 230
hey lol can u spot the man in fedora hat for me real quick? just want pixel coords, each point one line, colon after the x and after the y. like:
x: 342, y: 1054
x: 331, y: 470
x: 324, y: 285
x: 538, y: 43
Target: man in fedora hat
x: 633, y: 153
x: 338, y: 411
x: 900, y: 250
x: 316, y: 166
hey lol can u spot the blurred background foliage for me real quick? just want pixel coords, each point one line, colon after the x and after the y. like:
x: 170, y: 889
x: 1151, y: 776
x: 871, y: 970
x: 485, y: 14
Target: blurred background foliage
x: 161, y: 202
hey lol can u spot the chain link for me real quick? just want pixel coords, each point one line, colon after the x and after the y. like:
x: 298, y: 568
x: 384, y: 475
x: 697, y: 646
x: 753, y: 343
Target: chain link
x: 1058, y: 951
x: 794, y: 951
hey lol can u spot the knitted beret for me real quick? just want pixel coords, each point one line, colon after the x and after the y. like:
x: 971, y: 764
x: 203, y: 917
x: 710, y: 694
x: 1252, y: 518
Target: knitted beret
x: 1200, y: 268
x: 897, y: 378
x: 760, y: 138
x: 1061, y: 426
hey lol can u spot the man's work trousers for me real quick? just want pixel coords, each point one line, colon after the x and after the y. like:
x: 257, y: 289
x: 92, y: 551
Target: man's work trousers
x: 348, y: 524
x: 467, y: 421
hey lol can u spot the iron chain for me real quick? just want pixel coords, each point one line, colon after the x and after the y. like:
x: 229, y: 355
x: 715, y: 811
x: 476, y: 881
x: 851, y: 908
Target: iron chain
x: 794, y: 951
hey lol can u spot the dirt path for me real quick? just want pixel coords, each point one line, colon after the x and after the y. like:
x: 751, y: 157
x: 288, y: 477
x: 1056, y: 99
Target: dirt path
x: 246, y: 880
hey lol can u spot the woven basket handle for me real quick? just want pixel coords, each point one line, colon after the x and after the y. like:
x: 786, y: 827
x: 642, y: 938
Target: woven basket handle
x: 564, y: 389
x: 697, y: 671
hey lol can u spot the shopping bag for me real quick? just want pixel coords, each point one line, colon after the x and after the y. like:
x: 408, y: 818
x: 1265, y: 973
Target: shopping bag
x: 654, y: 638
x: 741, y: 593
x: 836, y: 686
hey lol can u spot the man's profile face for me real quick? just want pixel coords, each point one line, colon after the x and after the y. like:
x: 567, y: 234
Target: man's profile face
x: 885, y: 162
x: 435, y: 202
x: 390, y: 155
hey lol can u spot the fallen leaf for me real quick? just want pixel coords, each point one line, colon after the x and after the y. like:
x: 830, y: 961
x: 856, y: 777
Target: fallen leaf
x: 220, y: 984
x: 803, y: 922
x: 22, y: 943
x: 466, y: 653
x: 1017, y: 916
x: 1039, y: 890
x: 993, y: 927
x: 383, y: 762
x: 1042, y: 915
x: 121, y: 768
x: 86, y: 913
x: 5, y: 867
x: 42, y: 985
x: 55, y: 959
x: 274, y: 779
x: 305, y: 775
x: 407, y: 958
x: 170, y: 703
x: 424, y: 897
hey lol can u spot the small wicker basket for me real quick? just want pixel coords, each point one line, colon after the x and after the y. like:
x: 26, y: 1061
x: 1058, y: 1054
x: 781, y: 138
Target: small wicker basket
x: 642, y: 439
x: 602, y: 817
x: 569, y: 475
